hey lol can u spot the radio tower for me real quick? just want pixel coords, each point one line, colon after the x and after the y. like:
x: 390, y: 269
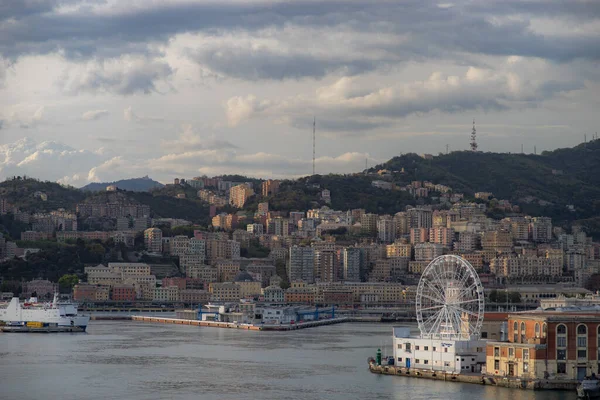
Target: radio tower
x: 314, y: 136
x: 473, y: 138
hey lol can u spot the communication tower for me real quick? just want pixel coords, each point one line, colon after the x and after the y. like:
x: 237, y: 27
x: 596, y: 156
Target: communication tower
x: 314, y: 137
x: 474, y: 138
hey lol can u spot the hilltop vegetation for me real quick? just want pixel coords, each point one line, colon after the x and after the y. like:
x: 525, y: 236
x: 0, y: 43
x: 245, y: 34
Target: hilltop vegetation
x: 143, y: 184
x: 21, y: 190
x: 557, y: 178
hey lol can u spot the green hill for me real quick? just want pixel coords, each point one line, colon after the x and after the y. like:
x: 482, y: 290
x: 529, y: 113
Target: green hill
x: 22, y: 191
x: 561, y: 177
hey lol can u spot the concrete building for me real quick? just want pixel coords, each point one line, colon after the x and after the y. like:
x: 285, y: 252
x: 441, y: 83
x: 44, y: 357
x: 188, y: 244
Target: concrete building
x: 398, y: 249
x: 123, y: 293
x: 419, y: 235
x: 351, y: 264
x: 273, y: 294
x: 153, y: 240
x: 42, y: 287
x: 239, y: 194
x: 301, y: 264
x: 386, y: 229
x: 270, y: 187
x: 169, y: 294
x: 453, y: 356
x: 368, y: 223
x: 553, y: 346
x: 443, y: 236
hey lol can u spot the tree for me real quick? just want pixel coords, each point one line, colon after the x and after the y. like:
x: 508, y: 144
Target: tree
x: 66, y: 283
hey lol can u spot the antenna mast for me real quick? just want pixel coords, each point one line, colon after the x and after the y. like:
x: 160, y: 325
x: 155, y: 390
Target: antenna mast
x: 473, y: 138
x: 314, y: 137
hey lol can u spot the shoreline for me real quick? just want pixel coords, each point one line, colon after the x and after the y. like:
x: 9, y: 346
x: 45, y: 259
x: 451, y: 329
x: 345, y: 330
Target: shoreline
x: 477, y: 379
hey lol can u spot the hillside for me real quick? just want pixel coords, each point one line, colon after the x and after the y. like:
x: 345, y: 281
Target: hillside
x: 561, y: 177
x: 22, y: 191
x: 143, y: 184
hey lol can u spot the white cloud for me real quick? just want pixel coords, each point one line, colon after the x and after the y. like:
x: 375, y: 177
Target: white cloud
x: 94, y: 114
x: 240, y: 108
x: 131, y: 116
x: 189, y: 140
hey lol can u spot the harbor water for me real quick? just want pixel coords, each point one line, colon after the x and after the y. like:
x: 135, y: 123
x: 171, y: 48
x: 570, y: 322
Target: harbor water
x: 136, y: 360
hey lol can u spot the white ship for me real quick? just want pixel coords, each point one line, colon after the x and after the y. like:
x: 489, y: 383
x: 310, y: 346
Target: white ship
x: 32, y: 313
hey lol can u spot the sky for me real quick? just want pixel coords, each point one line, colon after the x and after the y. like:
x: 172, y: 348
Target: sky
x: 101, y: 90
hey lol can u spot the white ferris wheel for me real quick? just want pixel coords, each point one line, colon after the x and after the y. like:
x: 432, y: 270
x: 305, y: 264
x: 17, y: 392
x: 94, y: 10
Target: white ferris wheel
x: 450, y: 300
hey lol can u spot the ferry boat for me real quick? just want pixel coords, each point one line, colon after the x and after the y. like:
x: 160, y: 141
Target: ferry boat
x: 32, y: 314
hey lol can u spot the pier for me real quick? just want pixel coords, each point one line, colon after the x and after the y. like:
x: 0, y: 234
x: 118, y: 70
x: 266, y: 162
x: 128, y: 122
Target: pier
x: 474, y: 378
x: 234, y: 325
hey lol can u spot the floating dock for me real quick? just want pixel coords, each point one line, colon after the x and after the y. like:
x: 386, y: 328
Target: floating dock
x: 479, y: 379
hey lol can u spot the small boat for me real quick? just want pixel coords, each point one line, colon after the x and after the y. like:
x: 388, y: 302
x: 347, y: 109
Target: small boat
x: 589, y: 388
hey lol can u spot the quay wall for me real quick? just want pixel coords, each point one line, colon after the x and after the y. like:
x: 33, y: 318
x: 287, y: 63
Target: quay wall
x: 515, y: 383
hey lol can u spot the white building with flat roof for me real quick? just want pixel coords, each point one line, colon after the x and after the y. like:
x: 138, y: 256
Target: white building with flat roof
x: 454, y: 356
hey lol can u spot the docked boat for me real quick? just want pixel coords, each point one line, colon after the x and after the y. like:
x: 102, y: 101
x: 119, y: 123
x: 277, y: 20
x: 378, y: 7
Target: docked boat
x: 33, y: 315
x: 589, y: 388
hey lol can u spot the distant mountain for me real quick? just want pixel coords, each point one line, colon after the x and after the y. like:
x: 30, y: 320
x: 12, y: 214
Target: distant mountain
x: 144, y: 184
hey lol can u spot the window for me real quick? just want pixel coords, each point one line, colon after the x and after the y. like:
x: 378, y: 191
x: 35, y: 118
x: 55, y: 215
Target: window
x: 537, y: 330
x: 446, y: 364
x: 400, y: 346
x: 581, y: 353
x: 445, y: 349
x: 515, y: 326
x: 544, y: 330
x: 561, y: 368
x: 425, y: 361
x: 496, y: 351
x: 462, y: 359
x: 426, y: 348
x: 522, y: 332
x: 581, y: 341
x: 496, y: 364
x: 511, y: 352
x: 417, y: 361
x: 582, y: 330
x: 561, y: 341
x: 399, y: 359
x: 407, y: 346
x: 515, y: 332
x: 433, y: 348
x: 525, y: 367
x: 416, y: 347
x: 525, y: 354
x: 484, y: 335
x: 561, y: 354
x: 561, y: 330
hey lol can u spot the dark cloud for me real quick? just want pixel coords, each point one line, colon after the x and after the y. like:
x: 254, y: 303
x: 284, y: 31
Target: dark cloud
x: 423, y: 30
x: 252, y: 64
x: 123, y: 77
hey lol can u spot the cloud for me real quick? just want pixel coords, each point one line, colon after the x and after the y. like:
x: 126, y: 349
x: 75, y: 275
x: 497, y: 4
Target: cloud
x: 94, y: 115
x: 47, y: 160
x: 240, y: 108
x: 131, y: 116
x: 349, y: 105
x: 189, y: 140
x: 23, y: 116
x: 123, y: 76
